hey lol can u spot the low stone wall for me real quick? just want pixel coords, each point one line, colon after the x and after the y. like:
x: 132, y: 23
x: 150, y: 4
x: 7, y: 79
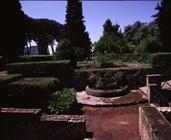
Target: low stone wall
x: 154, y: 89
x: 135, y: 77
x: 153, y: 125
x: 31, y: 124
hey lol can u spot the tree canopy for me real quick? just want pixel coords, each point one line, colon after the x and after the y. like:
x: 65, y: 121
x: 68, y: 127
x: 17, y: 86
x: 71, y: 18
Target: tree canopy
x: 13, y: 30
x: 163, y: 20
x: 75, y: 30
x: 43, y: 32
x: 112, y: 39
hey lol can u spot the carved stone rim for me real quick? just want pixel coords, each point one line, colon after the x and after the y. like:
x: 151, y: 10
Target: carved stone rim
x: 108, y: 92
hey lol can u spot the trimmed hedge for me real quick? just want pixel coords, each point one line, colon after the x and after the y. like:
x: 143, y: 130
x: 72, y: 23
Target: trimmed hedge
x: 35, y: 58
x: 45, y: 68
x: 1, y: 63
x: 33, y: 91
x: 5, y: 79
x: 160, y: 60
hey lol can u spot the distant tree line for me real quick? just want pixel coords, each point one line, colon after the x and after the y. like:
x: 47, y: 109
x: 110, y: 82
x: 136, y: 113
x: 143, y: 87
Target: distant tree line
x: 18, y: 29
x: 139, y: 37
x: 43, y: 32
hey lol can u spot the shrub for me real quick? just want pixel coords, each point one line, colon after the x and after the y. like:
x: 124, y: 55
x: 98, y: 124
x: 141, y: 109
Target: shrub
x: 63, y: 101
x: 104, y: 60
x: 161, y: 60
x: 35, y: 58
x: 2, y: 63
x: 33, y: 91
x: 107, y: 80
x: 45, y: 68
x: 65, y: 51
x: 149, y: 45
x: 5, y: 79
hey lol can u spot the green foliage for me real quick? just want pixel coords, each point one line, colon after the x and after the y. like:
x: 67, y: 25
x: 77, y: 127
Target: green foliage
x: 43, y: 32
x: 65, y: 51
x: 142, y: 37
x: 149, y: 45
x: 164, y: 23
x: 112, y: 40
x: 33, y: 91
x: 13, y: 37
x: 46, y: 85
x: 35, y: 58
x: 104, y: 60
x: 107, y: 80
x: 161, y: 60
x: 63, y: 101
x: 5, y: 79
x: 75, y: 28
x: 44, y: 68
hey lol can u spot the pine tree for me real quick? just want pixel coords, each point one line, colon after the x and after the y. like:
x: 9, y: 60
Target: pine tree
x: 163, y: 19
x: 75, y: 28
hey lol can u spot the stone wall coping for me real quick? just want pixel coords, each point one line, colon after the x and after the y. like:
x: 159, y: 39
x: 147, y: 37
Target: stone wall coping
x: 158, y: 126
x: 64, y: 118
x: 107, y: 69
x: 163, y: 109
x: 19, y: 111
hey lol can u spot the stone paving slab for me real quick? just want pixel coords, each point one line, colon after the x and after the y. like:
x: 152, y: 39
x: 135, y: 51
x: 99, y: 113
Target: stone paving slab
x: 133, y: 97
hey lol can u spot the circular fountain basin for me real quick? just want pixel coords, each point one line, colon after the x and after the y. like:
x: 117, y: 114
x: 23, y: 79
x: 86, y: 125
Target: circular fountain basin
x: 108, y: 92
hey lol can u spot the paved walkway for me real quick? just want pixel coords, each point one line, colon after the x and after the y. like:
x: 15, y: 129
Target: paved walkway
x: 133, y: 97
x: 113, y: 123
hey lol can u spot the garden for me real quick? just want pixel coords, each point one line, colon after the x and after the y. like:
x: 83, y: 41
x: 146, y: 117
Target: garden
x: 66, y: 85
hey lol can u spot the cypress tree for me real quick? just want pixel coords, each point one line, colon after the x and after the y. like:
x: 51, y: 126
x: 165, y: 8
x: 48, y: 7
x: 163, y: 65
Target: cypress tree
x: 163, y: 19
x: 13, y: 27
x: 75, y: 29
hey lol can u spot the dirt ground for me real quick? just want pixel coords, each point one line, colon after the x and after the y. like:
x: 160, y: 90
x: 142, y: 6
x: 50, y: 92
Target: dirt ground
x: 113, y: 123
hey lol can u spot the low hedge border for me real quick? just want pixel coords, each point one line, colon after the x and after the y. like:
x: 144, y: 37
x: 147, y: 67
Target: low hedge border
x: 160, y: 60
x: 35, y: 58
x: 38, y: 69
x: 32, y: 92
x: 5, y: 79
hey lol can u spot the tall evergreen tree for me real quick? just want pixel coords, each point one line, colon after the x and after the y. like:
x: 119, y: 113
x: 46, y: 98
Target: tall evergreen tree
x: 75, y: 28
x: 163, y: 19
x: 112, y: 39
x: 13, y: 30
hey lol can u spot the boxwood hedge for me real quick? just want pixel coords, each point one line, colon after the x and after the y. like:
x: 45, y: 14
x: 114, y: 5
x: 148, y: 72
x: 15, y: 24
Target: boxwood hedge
x: 32, y: 91
x: 35, y: 58
x: 5, y: 79
x: 44, y: 68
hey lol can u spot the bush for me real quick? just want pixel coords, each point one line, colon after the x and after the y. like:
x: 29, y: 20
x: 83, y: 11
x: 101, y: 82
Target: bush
x: 149, y: 45
x: 33, y: 91
x: 63, y: 101
x: 2, y: 63
x: 65, y: 51
x: 45, y: 68
x: 5, y: 79
x: 35, y: 58
x: 161, y: 60
x: 104, y: 60
x: 107, y: 80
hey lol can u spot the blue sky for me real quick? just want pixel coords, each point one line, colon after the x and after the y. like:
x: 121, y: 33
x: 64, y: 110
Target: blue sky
x: 95, y: 12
